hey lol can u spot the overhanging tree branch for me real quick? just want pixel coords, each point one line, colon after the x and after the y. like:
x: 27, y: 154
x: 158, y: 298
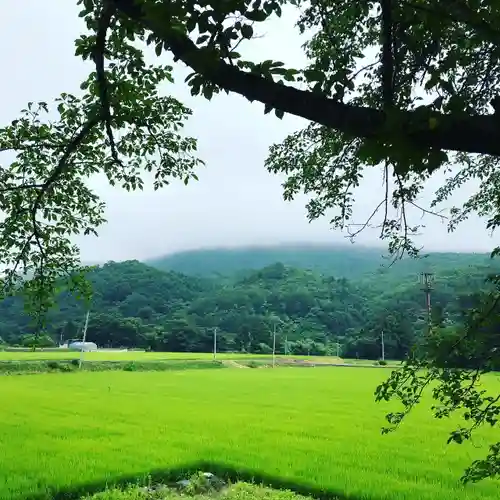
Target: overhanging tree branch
x: 100, y: 48
x: 470, y: 134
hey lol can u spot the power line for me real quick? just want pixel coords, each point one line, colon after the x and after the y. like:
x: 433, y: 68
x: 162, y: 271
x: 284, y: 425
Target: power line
x: 84, y: 337
x: 215, y: 342
x: 274, y: 344
x: 383, y: 346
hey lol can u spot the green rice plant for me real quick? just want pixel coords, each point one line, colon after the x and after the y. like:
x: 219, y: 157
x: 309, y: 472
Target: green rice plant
x: 131, y: 355
x: 317, y: 429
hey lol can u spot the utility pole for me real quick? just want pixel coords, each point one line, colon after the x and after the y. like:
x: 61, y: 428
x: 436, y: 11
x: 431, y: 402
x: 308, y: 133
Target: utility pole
x: 286, y: 345
x: 84, y: 337
x: 426, y: 280
x: 215, y: 342
x: 383, y: 347
x: 338, y: 350
x: 274, y: 345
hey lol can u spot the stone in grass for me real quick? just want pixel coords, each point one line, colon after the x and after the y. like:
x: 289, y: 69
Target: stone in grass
x: 155, y: 489
x: 202, y: 482
x: 217, y: 483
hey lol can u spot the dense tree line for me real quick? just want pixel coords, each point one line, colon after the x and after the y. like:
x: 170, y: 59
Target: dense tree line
x: 135, y: 305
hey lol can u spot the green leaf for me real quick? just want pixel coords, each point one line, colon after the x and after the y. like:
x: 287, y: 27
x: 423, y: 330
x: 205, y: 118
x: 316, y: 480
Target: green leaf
x: 193, y: 20
x: 202, y: 39
x: 314, y: 75
x: 247, y: 31
x: 256, y: 15
x: 208, y: 92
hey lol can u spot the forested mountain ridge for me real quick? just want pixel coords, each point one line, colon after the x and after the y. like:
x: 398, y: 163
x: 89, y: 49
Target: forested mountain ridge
x: 342, y: 261
x: 136, y: 305
x: 128, y: 289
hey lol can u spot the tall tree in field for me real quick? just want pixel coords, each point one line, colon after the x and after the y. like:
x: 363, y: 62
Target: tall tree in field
x: 406, y: 86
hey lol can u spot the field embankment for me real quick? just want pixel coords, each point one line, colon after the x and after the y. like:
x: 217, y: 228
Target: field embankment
x: 18, y: 362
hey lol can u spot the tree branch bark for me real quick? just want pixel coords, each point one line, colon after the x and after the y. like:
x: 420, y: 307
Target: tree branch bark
x: 470, y: 134
x: 387, y: 55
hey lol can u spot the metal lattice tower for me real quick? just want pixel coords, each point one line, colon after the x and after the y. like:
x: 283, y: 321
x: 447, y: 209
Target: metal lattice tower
x: 426, y: 280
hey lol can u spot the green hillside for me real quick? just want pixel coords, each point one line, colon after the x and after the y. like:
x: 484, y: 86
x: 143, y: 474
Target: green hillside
x: 126, y: 296
x: 347, y: 261
x: 136, y: 305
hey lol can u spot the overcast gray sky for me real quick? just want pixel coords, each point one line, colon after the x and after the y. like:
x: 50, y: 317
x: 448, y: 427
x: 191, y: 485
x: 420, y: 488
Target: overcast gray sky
x: 236, y: 201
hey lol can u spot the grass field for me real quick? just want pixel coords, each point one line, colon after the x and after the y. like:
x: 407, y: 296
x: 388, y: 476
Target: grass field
x: 137, y: 356
x: 317, y: 427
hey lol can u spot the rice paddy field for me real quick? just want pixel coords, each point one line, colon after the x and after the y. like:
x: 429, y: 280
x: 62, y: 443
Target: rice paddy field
x: 319, y: 428
x: 131, y: 355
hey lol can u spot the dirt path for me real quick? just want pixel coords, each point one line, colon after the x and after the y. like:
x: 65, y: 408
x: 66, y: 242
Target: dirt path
x: 233, y: 364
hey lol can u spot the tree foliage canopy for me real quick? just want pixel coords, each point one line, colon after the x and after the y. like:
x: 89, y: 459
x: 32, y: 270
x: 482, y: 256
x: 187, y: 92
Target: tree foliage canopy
x: 409, y: 87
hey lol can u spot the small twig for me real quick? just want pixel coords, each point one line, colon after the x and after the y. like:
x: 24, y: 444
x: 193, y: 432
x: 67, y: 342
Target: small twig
x: 20, y: 186
x: 365, y: 224
x: 386, y: 198
x: 27, y: 147
x: 427, y: 211
x: 364, y: 68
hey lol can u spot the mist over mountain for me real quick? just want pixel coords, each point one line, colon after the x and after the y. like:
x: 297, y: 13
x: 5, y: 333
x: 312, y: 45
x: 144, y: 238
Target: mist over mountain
x: 346, y: 261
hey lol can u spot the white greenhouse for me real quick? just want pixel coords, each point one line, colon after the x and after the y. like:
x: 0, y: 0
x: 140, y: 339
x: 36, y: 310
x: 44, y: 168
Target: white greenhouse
x: 83, y: 346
